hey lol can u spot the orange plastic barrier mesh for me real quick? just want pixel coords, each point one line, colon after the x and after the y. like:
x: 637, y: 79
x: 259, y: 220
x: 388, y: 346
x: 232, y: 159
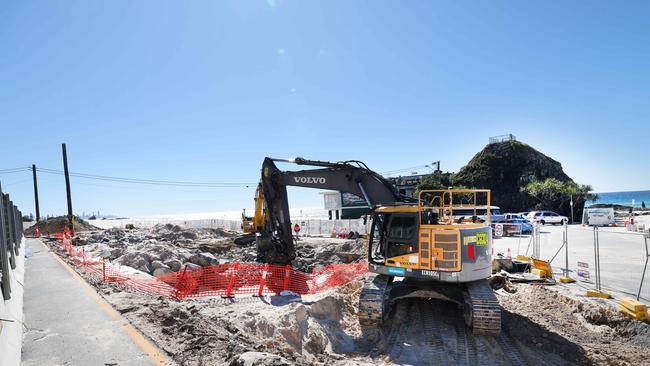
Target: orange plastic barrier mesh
x: 225, y: 280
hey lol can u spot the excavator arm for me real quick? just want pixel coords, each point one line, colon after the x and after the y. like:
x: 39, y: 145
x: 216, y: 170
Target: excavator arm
x: 274, y: 240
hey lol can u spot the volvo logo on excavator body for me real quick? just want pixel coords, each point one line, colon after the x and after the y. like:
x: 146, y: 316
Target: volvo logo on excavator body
x: 319, y: 180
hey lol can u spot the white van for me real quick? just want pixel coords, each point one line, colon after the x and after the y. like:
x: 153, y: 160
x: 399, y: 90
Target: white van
x: 480, y: 211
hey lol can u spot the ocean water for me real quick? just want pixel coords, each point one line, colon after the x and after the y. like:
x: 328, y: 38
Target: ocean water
x: 624, y: 198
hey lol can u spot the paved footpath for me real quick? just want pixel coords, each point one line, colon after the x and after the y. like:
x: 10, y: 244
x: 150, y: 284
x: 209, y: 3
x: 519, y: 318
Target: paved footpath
x: 68, y: 323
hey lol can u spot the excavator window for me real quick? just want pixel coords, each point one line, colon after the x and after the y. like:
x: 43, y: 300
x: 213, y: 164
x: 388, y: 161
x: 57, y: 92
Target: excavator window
x: 401, y: 235
x: 393, y: 235
x: 402, y: 227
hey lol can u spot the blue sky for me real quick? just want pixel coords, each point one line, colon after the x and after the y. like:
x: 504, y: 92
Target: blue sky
x: 203, y: 90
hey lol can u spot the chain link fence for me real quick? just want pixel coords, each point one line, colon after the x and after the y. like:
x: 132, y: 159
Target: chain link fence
x: 609, y: 259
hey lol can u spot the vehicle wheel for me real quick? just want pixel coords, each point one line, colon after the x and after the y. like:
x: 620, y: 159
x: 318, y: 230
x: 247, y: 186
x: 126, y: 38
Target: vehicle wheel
x: 542, y: 222
x: 563, y: 222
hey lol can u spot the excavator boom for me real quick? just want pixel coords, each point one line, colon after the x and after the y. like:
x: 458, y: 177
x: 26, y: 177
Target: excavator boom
x: 275, y: 240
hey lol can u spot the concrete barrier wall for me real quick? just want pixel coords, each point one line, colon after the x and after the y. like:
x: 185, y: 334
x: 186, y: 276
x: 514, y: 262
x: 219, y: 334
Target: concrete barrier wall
x: 309, y: 227
x: 232, y: 225
x: 318, y: 227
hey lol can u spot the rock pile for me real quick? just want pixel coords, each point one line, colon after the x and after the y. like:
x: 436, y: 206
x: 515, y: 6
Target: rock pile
x: 169, y: 248
x: 160, y: 250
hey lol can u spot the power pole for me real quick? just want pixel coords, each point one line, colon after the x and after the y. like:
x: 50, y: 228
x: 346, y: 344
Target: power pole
x: 67, y: 187
x: 38, y: 212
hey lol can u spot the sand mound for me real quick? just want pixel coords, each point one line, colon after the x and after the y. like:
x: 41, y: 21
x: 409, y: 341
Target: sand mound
x: 57, y: 225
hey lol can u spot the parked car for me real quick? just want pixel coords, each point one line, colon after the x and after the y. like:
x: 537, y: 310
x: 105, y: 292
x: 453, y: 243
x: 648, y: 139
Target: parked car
x: 547, y: 217
x: 515, y: 224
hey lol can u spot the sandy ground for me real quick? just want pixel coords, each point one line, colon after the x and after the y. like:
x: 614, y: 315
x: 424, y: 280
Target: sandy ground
x: 541, y: 325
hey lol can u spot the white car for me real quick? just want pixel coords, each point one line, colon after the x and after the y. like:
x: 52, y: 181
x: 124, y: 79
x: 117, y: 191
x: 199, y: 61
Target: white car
x: 547, y: 217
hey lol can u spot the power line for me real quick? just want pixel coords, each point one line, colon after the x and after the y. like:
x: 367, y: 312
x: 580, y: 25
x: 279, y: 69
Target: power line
x: 14, y: 170
x: 389, y: 172
x: 149, y: 181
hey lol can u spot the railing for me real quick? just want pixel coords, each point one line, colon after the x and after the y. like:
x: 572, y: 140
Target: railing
x: 11, y: 234
x: 442, y: 204
x: 502, y: 138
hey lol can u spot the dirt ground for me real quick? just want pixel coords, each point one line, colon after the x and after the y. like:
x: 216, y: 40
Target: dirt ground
x: 541, y: 326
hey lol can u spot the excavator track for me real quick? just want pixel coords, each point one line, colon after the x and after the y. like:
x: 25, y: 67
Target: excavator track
x: 483, y: 312
x: 372, y: 300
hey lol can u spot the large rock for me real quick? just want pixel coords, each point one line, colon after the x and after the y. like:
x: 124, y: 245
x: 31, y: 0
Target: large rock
x: 138, y: 260
x: 162, y: 271
x: 174, y: 264
x: 146, y: 268
x: 505, y: 168
x: 204, y: 259
x: 158, y: 264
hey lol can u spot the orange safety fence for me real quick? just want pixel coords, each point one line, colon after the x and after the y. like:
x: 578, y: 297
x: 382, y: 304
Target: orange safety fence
x: 225, y: 280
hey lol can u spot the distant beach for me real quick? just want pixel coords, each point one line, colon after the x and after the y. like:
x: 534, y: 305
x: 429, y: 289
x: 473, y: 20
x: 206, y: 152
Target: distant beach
x: 631, y: 198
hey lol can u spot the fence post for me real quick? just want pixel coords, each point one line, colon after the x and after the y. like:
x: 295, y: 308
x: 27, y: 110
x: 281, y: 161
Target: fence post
x: 313, y: 282
x: 647, y: 256
x: 233, y: 278
x: 265, y: 271
x: 287, y: 275
x: 177, y: 294
x: 598, y: 291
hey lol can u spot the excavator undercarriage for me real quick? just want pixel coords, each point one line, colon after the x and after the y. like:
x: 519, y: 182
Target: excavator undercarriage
x: 480, y: 307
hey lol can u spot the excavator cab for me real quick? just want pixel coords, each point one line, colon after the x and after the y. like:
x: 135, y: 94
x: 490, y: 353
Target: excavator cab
x: 429, y: 236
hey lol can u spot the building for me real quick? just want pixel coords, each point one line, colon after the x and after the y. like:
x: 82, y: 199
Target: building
x: 344, y: 205
x: 349, y: 206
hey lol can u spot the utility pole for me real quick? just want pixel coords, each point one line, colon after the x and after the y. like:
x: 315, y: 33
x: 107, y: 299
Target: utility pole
x: 38, y: 212
x: 67, y: 188
x: 571, y: 210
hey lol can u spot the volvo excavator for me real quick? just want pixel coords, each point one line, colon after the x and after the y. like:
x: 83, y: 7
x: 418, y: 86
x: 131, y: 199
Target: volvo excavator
x: 417, y: 247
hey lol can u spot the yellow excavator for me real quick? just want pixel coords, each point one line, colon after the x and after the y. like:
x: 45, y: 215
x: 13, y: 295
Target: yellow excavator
x: 417, y: 247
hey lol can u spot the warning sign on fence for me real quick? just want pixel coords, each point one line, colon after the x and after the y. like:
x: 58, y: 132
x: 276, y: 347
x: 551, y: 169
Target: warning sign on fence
x: 498, y: 230
x: 583, y: 271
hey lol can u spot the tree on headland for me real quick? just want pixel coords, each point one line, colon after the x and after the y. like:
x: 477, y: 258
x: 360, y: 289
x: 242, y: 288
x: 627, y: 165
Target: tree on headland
x: 554, y: 195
